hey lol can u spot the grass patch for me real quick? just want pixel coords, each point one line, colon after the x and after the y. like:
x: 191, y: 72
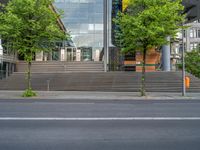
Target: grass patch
x: 29, y: 93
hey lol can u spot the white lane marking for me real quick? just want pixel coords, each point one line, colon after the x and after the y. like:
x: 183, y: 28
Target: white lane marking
x: 66, y: 103
x: 96, y: 119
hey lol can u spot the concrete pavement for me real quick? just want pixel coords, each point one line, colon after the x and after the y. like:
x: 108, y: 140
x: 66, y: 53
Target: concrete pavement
x: 98, y: 95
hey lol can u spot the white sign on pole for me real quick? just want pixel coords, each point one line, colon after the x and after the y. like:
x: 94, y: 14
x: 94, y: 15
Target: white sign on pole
x: 1, y: 52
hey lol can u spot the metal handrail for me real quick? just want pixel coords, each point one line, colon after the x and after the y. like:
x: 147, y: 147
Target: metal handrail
x: 3, y: 73
x: 8, y: 58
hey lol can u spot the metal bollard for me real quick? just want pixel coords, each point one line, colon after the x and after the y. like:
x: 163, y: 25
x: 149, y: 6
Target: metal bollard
x: 48, y: 85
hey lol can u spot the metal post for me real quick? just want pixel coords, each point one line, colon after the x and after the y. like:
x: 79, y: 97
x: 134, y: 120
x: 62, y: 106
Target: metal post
x: 1, y: 67
x: 48, y: 85
x: 1, y: 60
x: 105, y: 34
x: 108, y: 32
x: 1, y: 51
x: 183, y: 64
x: 7, y: 69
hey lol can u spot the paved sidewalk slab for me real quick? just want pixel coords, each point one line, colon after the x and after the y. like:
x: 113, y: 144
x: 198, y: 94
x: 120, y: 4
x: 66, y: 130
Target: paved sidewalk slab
x: 68, y: 95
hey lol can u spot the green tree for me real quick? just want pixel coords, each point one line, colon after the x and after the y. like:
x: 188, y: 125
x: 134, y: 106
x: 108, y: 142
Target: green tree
x: 192, y: 62
x: 146, y: 24
x: 31, y: 26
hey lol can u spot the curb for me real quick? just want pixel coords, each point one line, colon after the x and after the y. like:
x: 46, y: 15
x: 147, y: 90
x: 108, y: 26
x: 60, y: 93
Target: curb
x: 80, y: 95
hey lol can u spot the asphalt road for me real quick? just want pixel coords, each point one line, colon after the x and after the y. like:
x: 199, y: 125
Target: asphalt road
x: 99, y: 125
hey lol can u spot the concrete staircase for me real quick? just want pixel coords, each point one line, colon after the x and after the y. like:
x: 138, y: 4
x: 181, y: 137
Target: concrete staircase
x: 61, y: 67
x: 100, y: 81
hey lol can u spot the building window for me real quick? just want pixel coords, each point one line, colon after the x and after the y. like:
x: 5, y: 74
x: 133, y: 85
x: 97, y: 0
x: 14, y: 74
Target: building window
x: 191, y: 33
x: 198, y: 33
x: 181, y: 47
x: 193, y: 46
x: 194, y: 33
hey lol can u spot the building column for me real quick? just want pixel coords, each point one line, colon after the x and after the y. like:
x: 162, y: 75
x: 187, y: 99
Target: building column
x: 78, y: 55
x: 62, y: 54
x: 39, y: 56
x: 13, y: 67
x: 50, y: 56
x: 166, y: 64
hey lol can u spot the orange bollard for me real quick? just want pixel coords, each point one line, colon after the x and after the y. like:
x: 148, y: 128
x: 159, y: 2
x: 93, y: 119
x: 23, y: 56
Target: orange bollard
x: 187, y: 82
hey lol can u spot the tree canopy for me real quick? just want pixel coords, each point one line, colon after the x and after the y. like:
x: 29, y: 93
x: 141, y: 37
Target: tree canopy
x: 30, y: 25
x: 192, y: 62
x: 148, y: 23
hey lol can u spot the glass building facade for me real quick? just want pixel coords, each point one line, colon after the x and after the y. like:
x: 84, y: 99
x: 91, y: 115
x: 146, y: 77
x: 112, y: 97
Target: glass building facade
x: 116, y: 7
x: 84, y: 20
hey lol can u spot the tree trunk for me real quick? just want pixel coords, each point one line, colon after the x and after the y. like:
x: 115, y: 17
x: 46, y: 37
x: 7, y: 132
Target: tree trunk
x: 143, y: 89
x: 29, y: 75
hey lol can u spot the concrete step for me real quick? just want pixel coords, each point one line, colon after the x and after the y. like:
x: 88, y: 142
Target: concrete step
x: 100, y: 81
x: 52, y: 66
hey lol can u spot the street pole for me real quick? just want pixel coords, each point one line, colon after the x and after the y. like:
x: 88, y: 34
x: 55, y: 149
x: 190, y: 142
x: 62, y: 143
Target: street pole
x: 1, y: 59
x: 183, y: 63
x: 105, y: 34
x: 108, y: 32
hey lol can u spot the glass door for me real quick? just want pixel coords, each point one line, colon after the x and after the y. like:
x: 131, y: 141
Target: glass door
x: 71, y: 54
x: 86, y: 54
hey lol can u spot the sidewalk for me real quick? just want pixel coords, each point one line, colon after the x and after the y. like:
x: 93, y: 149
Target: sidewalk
x: 69, y: 95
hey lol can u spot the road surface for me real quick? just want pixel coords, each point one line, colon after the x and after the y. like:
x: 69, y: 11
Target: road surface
x: 99, y: 125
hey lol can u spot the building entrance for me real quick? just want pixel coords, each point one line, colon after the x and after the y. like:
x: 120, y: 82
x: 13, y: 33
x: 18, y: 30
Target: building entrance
x: 86, y: 53
x: 71, y: 54
x: 80, y: 54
